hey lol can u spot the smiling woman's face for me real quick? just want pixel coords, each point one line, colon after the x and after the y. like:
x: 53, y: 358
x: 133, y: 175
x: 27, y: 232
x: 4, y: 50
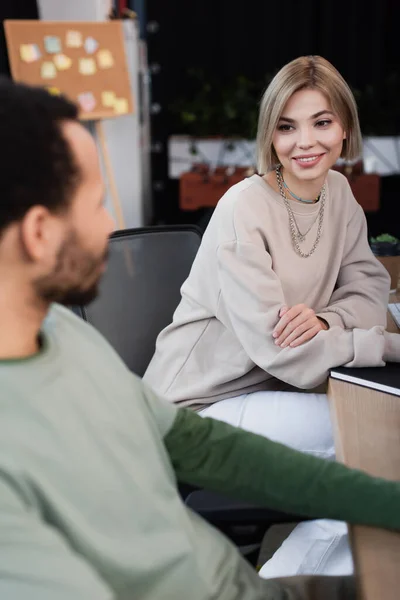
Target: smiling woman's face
x: 309, y: 137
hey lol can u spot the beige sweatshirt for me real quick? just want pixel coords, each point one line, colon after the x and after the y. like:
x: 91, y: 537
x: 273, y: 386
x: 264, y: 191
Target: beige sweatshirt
x: 220, y: 342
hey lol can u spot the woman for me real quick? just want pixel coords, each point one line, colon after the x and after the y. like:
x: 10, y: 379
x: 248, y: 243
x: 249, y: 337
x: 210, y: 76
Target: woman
x: 283, y: 288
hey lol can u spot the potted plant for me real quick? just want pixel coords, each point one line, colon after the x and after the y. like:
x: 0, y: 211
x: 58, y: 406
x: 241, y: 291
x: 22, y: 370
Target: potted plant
x: 214, y: 122
x: 386, y: 248
x: 218, y: 119
x: 385, y: 245
x: 215, y: 108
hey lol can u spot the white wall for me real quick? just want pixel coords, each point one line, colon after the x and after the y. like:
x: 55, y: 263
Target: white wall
x: 74, y: 10
x: 127, y: 137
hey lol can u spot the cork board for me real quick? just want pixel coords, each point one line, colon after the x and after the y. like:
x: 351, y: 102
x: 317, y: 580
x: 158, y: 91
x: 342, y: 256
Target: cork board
x: 86, y: 61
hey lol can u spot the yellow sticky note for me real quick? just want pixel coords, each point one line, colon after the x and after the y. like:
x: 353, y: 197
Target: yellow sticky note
x: 73, y: 39
x: 108, y: 99
x: 48, y: 70
x: 105, y: 59
x: 54, y: 91
x: 121, y: 106
x: 29, y: 52
x: 62, y: 62
x: 87, y: 66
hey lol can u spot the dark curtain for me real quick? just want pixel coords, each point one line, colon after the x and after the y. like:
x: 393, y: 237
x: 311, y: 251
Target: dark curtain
x: 230, y: 37
x: 227, y: 37
x: 13, y: 9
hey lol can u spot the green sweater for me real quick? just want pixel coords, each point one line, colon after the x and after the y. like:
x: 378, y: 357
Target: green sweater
x: 89, y: 508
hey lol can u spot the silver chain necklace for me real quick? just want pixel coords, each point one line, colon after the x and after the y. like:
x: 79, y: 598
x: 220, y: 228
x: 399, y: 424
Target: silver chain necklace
x: 296, y: 235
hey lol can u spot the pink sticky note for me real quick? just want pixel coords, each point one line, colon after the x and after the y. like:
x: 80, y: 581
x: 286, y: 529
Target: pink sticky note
x: 29, y: 52
x: 87, y: 101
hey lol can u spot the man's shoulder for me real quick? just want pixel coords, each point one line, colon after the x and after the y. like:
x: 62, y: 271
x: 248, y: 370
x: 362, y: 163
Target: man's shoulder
x: 63, y: 323
x: 57, y: 311
x: 62, y: 317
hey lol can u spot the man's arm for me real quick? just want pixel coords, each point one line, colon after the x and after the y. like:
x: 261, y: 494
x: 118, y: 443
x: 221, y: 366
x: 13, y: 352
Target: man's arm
x: 36, y: 563
x: 222, y: 458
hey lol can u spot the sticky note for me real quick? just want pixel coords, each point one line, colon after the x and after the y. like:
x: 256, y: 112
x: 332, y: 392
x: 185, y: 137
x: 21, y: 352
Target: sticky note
x: 54, y: 91
x: 87, y: 101
x: 108, y: 99
x: 105, y: 59
x: 121, y: 106
x: 48, y: 70
x: 87, y: 66
x: 52, y: 44
x: 62, y: 62
x: 91, y: 45
x: 29, y: 52
x: 73, y: 39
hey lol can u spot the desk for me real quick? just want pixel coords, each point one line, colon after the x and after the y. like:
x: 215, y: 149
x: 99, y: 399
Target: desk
x: 367, y: 436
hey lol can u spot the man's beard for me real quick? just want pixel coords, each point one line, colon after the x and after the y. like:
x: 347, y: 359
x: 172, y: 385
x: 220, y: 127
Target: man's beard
x: 75, y: 266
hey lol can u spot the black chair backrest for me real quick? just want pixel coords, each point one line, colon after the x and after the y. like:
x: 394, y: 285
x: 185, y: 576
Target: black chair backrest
x: 138, y: 296
x: 141, y: 288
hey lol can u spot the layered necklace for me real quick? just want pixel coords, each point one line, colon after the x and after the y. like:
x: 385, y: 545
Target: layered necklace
x: 297, y: 236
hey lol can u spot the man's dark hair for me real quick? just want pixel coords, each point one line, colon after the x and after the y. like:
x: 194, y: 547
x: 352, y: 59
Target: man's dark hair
x: 36, y: 163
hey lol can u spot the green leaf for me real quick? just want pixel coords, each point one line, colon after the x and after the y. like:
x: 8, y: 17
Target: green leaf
x: 385, y: 238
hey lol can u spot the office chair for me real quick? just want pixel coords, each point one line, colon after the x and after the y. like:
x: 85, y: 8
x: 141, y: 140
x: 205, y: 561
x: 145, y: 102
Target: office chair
x: 138, y: 296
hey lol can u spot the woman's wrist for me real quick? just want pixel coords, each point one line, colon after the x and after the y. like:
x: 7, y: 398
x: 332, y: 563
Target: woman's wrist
x: 391, y: 351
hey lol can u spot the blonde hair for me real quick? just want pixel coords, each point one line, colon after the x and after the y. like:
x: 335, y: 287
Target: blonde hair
x: 306, y: 72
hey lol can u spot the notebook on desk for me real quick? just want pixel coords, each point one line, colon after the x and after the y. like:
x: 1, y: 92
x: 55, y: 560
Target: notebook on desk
x: 385, y: 379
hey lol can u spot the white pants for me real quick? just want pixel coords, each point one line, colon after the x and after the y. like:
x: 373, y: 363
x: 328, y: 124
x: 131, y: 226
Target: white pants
x: 301, y: 421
